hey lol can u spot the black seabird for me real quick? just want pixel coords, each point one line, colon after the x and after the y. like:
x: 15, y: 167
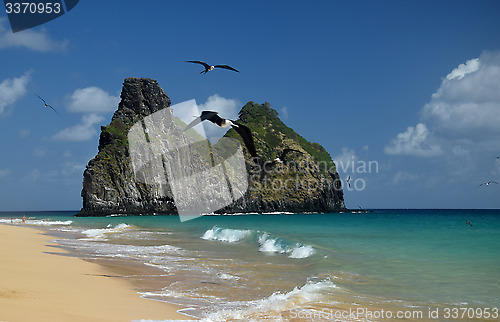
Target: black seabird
x: 242, y: 130
x: 209, y: 68
x: 47, y: 105
x: 488, y: 183
x: 349, y: 181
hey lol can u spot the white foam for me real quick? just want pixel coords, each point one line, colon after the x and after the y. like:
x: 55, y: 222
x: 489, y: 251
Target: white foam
x: 312, y: 292
x: 49, y: 222
x: 100, y: 233
x: 38, y: 222
x: 9, y: 221
x: 226, y: 276
x: 302, y: 251
x: 269, y: 244
x: 226, y: 235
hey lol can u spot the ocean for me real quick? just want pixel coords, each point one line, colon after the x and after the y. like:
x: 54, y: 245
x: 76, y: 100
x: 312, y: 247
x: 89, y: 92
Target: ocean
x: 362, y: 266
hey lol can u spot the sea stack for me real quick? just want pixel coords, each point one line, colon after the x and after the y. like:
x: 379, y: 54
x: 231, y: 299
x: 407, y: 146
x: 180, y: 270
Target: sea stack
x: 306, y: 182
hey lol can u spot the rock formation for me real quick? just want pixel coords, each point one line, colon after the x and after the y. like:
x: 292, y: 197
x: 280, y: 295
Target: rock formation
x: 304, y: 182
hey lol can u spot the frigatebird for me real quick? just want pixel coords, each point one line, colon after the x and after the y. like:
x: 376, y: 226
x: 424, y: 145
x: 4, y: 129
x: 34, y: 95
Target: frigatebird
x: 209, y: 68
x: 242, y: 130
x: 47, y: 105
x: 488, y: 183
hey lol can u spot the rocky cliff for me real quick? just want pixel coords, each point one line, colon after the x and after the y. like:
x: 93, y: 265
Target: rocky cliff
x: 305, y: 180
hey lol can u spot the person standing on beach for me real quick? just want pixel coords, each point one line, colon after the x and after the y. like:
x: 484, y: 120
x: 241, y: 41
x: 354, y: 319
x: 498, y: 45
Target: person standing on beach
x: 24, y: 219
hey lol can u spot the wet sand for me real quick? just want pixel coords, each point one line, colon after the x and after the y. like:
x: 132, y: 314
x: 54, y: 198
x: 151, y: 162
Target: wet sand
x: 38, y: 285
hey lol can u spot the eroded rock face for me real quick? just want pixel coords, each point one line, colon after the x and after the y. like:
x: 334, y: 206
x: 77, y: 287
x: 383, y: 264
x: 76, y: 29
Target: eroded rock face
x: 306, y: 180
x: 109, y: 185
x: 309, y: 181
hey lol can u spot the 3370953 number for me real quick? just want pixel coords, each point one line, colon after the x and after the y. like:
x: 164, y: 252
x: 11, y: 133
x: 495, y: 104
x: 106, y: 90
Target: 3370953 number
x: 471, y: 313
x: 32, y: 8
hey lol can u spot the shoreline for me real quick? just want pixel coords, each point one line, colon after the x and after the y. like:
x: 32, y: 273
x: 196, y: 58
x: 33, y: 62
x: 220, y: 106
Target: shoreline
x: 39, y: 283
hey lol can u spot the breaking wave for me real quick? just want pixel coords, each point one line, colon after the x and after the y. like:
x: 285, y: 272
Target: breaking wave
x: 279, y: 303
x: 267, y: 243
x: 226, y: 235
x: 101, y: 233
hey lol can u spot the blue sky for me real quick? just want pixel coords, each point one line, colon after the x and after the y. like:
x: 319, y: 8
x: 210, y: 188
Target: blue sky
x: 410, y: 87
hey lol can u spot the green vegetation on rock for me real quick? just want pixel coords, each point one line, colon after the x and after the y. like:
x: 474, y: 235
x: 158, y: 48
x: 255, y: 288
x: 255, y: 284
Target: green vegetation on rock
x: 270, y: 131
x: 304, y: 182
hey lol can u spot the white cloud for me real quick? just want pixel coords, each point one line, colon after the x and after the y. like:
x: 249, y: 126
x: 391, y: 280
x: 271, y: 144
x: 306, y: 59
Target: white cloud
x: 226, y: 107
x: 92, y: 100
x: 186, y: 111
x: 31, y: 39
x: 463, y: 115
x: 470, y: 66
x: 345, y: 162
x: 80, y: 132
x: 460, y: 151
x: 284, y: 113
x: 69, y: 168
x: 467, y: 104
x: 413, y: 142
x: 12, y: 89
x: 405, y: 176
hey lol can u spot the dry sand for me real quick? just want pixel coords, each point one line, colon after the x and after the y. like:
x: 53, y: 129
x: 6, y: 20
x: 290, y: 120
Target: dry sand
x: 37, y: 285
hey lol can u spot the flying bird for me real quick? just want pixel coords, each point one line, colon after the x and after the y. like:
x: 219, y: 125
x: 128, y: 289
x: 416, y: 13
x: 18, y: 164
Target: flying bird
x: 209, y: 68
x: 349, y: 181
x: 468, y: 223
x: 488, y: 183
x: 242, y: 130
x: 47, y: 105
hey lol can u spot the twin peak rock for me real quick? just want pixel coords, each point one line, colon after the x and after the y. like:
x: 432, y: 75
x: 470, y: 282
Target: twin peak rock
x: 305, y: 181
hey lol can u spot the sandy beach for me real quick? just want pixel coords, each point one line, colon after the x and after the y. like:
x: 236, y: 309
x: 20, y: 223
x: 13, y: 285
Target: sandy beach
x: 38, y: 285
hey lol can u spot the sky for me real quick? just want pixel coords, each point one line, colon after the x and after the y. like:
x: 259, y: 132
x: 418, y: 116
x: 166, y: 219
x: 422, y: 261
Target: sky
x: 404, y: 95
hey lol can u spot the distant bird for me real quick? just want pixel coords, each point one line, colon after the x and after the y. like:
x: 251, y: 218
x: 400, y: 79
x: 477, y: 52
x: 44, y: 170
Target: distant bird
x: 209, y: 68
x: 281, y: 157
x: 349, y: 181
x: 242, y: 130
x: 468, y: 222
x: 269, y: 165
x: 488, y: 183
x: 47, y: 105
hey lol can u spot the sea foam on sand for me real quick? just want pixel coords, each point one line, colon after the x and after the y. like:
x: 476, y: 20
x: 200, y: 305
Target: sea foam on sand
x: 38, y: 285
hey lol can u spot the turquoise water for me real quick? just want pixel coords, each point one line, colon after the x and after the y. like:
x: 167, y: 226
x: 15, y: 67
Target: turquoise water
x: 236, y: 266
